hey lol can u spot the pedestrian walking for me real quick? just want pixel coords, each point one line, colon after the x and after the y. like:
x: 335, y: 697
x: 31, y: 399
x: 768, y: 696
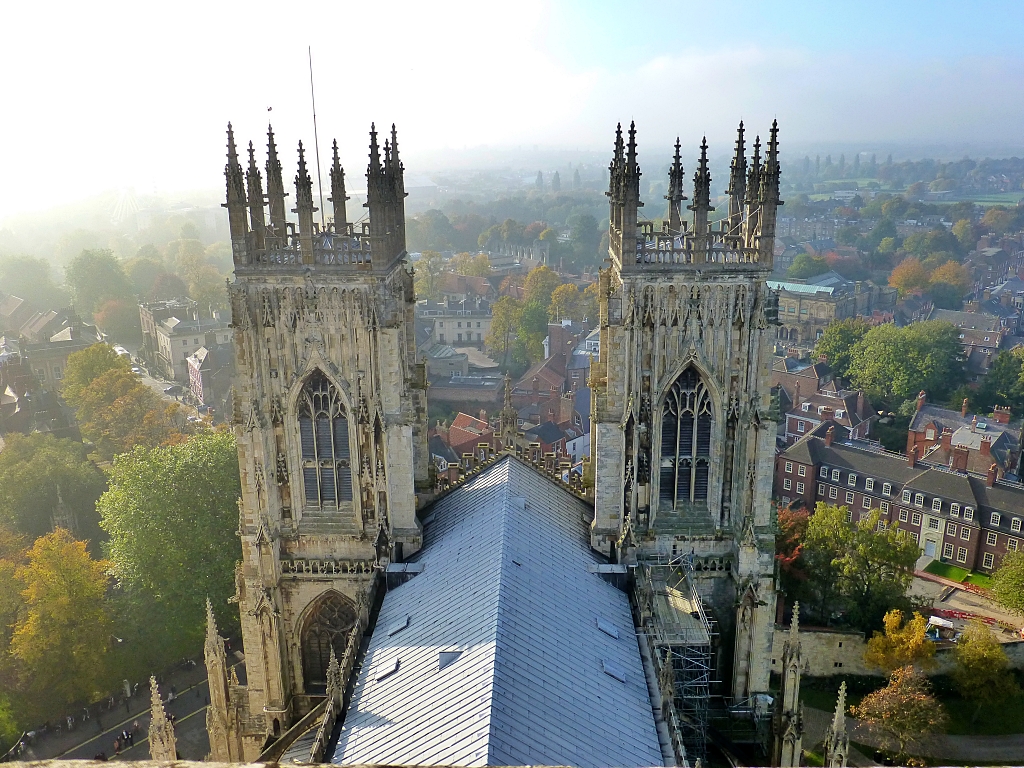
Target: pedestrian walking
x: 117, y: 746
x: 127, y: 706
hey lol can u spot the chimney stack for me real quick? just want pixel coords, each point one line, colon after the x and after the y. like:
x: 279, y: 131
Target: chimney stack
x: 483, y: 415
x: 912, y: 455
x: 986, y: 445
x: 922, y: 398
x: 827, y: 413
x: 958, y: 461
x: 993, y: 472
x: 974, y: 423
x: 947, y: 439
x: 1001, y: 415
x: 963, y: 409
x: 830, y: 435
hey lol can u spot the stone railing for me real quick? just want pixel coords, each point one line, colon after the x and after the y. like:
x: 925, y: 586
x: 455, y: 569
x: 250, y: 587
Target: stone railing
x: 552, y: 466
x: 324, y: 567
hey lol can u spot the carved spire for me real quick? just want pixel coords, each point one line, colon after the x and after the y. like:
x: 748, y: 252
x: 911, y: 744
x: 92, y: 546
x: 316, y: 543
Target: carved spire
x: 837, y: 740
x: 304, y: 208
x: 509, y: 421
x: 338, y: 196
x: 235, y: 202
x: 788, y: 718
x: 631, y: 147
x: 751, y: 229
x: 701, y: 205
x: 162, y: 747
x: 771, y: 171
x: 619, y: 146
x: 275, y: 187
x: 675, y: 194
x: 214, y: 645
x: 794, y: 625
x: 737, y: 181
x: 334, y: 676
x: 217, y: 720
x: 254, y: 187
x: 374, y: 151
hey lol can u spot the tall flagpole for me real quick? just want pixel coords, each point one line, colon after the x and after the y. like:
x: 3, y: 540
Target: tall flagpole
x: 316, y: 140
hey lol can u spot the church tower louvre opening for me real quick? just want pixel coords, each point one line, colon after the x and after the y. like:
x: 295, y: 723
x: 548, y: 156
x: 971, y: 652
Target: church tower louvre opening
x: 329, y: 412
x: 683, y: 425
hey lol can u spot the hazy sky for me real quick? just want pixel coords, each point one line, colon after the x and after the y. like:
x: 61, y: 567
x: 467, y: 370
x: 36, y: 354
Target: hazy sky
x: 104, y: 95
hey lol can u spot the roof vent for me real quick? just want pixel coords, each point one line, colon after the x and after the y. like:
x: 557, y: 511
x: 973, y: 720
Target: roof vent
x: 388, y: 670
x: 614, y: 670
x: 447, y: 658
x: 398, y: 626
x: 608, y: 628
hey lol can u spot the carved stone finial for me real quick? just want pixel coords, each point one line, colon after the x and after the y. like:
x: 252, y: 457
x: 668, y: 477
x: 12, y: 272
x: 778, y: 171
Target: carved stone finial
x: 162, y: 747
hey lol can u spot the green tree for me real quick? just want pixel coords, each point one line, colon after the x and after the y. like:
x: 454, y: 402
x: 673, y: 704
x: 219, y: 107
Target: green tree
x: 1008, y: 582
x: 903, y: 711
x: 469, y: 264
x: 805, y: 266
x: 94, y: 277
x: 86, y: 366
x: 982, y: 673
x: 894, y: 364
x: 30, y: 279
x: 46, y: 478
x: 1004, y: 384
x: 965, y: 233
x: 506, y: 313
x: 62, y: 637
x: 428, y: 275
x: 856, y: 566
x: 901, y: 643
x: 838, y: 341
x: 908, y: 275
x: 171, y: 514
x: 143, y: 272
x: 119, y: 318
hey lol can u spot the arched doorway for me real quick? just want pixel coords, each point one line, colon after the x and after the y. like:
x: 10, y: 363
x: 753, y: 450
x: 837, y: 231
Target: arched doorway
x: 327, y: 625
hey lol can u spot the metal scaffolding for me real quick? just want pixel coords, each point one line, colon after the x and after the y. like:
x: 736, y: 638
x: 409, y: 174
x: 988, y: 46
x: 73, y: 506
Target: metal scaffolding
x: 680, y: 636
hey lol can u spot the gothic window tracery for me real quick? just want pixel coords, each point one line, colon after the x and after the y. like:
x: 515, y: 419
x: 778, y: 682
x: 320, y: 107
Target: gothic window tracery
x: 327, y: 627
x: 685, y: 442
x: 324, y: 439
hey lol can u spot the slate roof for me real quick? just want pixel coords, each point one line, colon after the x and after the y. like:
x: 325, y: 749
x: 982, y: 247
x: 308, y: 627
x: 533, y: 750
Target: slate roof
x: 506, y: 585
x: 548, y: 432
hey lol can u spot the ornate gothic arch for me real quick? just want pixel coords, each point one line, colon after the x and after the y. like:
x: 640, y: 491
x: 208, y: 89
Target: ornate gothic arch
x: 325, y: 442
x: 326, y: 625
x: 687, y: 430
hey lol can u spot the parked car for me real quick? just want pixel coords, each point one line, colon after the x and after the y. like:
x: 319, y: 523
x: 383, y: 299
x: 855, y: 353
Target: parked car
x: 174, y: 389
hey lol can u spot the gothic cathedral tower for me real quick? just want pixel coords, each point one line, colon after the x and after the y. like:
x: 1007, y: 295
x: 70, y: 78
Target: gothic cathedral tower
x: 684, y: 433
x: 329, y: 415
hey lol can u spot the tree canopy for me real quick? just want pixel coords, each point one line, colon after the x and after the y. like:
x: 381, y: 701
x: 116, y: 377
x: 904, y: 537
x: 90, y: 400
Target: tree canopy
x: 838, y: 341
x: 982, y: 673
x: 901, y: 643
x: 903, y: 711
x: 805, y: 266
x: 94, y: 277
x: 1008, y: 582
x: 86, y: 366
x: 171, y: 514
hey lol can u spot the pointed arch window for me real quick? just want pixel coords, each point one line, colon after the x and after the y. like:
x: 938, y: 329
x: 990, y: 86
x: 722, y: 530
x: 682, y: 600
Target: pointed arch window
x: 327, y: 627
x: 685, y: 442
x: 323, y: 434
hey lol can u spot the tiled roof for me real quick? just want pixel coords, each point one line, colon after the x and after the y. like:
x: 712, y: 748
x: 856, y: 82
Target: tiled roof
x: 548, y: 432
x: 492, y: 655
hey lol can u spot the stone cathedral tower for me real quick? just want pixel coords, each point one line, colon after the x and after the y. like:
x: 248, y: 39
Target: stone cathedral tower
x: 330, y: 418
x: 684, y: 432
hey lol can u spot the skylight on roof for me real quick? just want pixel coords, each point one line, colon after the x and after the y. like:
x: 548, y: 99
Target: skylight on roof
x: 614, y: 670
x: 608, y: 628
x: 398, y: 626
x: 447, y: 658
x: 388, y: 670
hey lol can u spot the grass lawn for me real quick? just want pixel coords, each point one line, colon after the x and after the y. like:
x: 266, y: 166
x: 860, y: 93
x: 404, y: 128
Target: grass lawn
x: 982, y: 580
x: 823, y: 699
x: 947, y: 571
x: 993, y: 720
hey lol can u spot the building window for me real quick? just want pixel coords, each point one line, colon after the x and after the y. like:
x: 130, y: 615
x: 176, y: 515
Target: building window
x: 800, y: 487
x: 885, y: 506
x: 950, y: 529
x: 1011, y: 545
x: 849, y: 497
x: 821, y: 489
x: 849, y: 515
x: 915, y: 537
x: 840, y: 413
x: 801, y: 471
x: 965, y: 533
x: 961, y: 554
x: 866, y: 502
x: 887, y: 489
x: 947, y: 550
x: 954, y: 510
x: 833, y: 492
x: 479, y: 336
x: 789, y: 466
x: 786, y: 500
x: 184, y: 342
x: 968, y: 513
x: 686, y: 441
x: 995, y: 518
x: 799, y: 426
x: 823, y: 472
x: 441, y: 338
x: 918, y: 499
x: 1015, y: 525
x: 440, y: 324
x: 458, y: 325
x: 806, y: 407
x: 869, y: 484
x: 787, y: 484
x: 933, y: 523
x: 323, y: 434
x: 903, y: 516
x: 835, y: 475
x: 477, y: 323
x: 882, y: 525
x: 992, y: 538
x: 936, y: 505
x: 852, y: 481
x: 906, y: 497
x: 987, y: 560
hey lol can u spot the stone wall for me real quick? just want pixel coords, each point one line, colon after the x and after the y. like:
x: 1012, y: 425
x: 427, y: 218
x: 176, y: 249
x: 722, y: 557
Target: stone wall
x: 828, y: 652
